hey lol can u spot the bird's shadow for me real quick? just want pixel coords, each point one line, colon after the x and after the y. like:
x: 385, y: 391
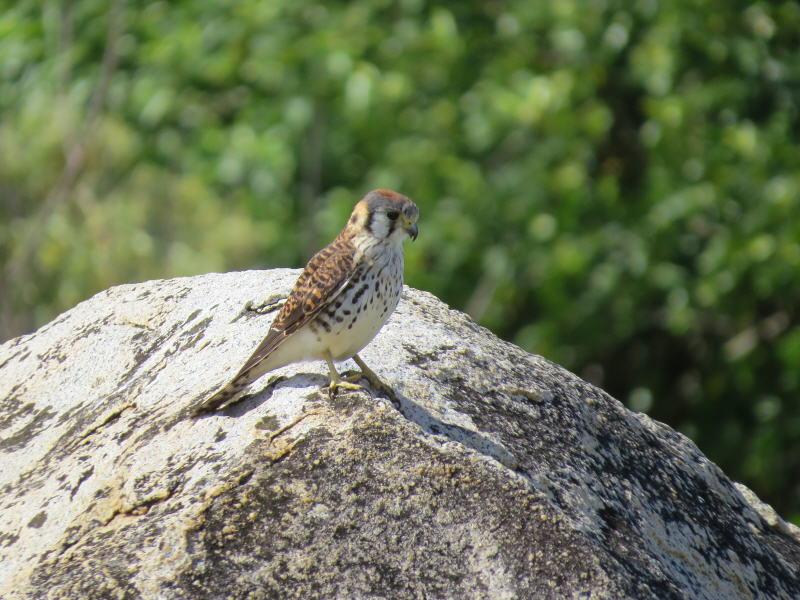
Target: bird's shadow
x: 413, y: 411
x: 248, y: 402
x: 433, y: 425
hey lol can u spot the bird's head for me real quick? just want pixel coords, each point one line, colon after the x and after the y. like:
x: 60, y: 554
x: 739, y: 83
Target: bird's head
x: 385, y: 215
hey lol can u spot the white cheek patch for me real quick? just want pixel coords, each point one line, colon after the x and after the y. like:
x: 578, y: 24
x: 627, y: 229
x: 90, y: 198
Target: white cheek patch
x: 380, y: 226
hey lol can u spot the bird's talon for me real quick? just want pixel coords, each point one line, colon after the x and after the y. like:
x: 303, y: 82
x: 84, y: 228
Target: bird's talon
x: 347, y: 385
x: 342, y: 384
x: 352, y: 376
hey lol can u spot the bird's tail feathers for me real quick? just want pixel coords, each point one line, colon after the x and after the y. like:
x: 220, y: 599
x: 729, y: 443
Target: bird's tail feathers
x: 230, y: 391
x: 264, y: 359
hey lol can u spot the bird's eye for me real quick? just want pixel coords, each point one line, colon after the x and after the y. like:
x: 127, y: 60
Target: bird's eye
x: 393, y: 215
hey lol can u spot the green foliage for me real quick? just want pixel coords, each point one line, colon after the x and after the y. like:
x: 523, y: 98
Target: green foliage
x: 613, y: 185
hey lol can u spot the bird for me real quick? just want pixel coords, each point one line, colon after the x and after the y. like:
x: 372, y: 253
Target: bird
x: 340, y: 301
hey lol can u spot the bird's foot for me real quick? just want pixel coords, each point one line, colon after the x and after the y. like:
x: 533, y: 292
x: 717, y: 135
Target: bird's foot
x: 375, y: 382
x: 349, y: 381
x: 376, y: 385
x: 343, y: 383
x: 353, y: 377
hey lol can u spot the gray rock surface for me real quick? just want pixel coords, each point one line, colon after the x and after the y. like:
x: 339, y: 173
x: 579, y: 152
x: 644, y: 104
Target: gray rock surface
x: 497, y: 475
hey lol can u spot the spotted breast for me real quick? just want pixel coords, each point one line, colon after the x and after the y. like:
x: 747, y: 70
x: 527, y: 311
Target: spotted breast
x: 358, y: 313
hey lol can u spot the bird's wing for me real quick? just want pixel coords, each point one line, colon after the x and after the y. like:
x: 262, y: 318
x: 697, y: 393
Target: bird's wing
x: 323, y: 279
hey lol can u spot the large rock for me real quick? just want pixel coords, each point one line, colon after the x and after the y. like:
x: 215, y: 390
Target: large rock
x: 497, y: 475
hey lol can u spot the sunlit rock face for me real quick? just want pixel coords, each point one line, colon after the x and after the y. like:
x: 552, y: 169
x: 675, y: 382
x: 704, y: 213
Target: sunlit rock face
x: 490, y: 473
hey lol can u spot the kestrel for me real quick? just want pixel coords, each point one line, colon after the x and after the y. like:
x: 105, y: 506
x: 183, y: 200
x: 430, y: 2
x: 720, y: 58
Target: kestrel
x: 343, y: 297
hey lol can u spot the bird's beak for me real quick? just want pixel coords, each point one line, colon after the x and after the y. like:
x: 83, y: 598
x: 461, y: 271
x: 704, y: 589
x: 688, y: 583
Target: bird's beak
x: 412, y: 231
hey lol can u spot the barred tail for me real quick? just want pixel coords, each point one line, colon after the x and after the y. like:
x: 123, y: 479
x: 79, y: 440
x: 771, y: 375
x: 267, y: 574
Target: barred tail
x: 263, y: 359
x: 224, y: 395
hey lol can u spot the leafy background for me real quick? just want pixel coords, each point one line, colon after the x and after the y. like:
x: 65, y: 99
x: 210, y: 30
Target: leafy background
x: 611, y: 184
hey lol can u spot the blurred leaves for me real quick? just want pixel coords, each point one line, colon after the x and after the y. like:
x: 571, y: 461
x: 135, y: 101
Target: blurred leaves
x: 613, y: 185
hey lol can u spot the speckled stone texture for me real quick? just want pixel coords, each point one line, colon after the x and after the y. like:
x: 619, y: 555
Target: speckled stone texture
x: 496, y: 474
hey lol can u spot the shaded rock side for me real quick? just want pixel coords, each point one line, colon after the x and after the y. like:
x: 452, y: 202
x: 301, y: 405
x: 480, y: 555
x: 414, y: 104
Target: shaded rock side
x: 496, y: 474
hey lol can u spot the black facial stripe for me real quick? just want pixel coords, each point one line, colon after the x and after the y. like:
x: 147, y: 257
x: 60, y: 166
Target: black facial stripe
x: 368, y: 224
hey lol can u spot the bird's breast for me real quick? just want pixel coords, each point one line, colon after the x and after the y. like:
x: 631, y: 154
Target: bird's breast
x: 350, y: 322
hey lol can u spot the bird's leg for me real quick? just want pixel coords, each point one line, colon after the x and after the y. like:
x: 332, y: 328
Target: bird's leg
x: 336, y: 381
x: 373, y: 378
